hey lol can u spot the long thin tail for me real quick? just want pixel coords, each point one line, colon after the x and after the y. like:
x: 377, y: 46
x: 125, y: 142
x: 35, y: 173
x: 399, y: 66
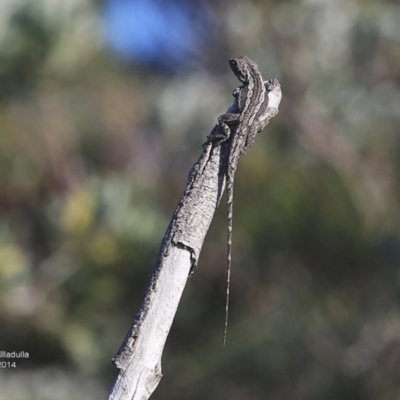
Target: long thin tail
x: 229, y: 264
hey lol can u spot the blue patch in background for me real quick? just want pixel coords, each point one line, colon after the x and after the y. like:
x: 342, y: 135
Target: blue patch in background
x: 149, y: 32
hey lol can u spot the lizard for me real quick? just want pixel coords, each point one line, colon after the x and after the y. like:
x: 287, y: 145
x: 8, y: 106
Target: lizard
x: 248, y: 115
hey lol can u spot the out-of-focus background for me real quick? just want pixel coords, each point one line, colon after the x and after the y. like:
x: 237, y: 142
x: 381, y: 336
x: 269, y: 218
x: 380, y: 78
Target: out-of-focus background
x: 104, y: 105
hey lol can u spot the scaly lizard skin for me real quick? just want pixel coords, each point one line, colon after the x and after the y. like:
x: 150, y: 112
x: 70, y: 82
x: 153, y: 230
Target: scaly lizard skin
x: 248, y: 116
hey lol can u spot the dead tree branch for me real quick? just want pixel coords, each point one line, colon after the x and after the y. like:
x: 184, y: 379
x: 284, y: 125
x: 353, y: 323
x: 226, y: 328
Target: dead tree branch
x: 139, y: 358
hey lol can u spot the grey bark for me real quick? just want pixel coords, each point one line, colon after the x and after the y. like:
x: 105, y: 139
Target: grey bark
x: 139, y: 358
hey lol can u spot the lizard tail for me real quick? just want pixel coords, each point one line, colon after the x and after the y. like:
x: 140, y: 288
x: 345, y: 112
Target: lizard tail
x: 229, y: 256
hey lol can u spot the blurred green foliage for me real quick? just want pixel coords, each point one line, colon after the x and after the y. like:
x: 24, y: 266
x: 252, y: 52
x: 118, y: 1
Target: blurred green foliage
x: 94, y: 155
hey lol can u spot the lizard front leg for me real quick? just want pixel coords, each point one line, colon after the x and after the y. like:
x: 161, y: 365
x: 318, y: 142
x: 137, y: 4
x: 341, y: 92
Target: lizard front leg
x: 231, y: 117
x: 222, y: 131
x: 226, y: 122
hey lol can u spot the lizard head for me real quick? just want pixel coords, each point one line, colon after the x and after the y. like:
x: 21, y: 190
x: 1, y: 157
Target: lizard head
x: 240, y: 67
